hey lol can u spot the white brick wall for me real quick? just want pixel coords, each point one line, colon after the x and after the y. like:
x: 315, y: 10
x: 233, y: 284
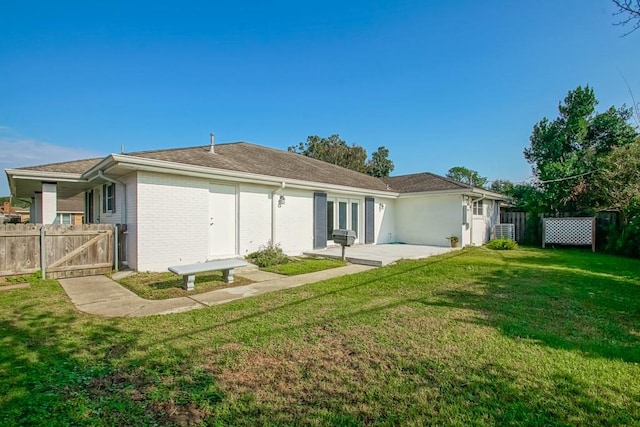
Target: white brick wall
x: 172, y: 221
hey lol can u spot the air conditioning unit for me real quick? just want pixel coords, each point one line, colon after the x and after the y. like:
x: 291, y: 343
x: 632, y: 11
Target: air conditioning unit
x: 504, y: 231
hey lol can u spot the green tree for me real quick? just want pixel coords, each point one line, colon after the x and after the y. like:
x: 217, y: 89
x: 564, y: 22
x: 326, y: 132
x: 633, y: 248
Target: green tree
x: 380, y: 165
x: 467, y: 176
x: 336, y: 151
x: 333, y: 150
x: 566, y: 152
x: 502, y: 186
x: 619, y: 180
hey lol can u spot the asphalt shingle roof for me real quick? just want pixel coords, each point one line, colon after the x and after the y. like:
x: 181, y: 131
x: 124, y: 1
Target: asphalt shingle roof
x: 256, y: 159
x: 425, y: 181
x: 75, y: 166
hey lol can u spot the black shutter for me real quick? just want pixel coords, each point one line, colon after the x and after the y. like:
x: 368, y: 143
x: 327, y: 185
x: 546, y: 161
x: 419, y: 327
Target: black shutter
x: 113, y: 198
x: 369, y: 220
x: 104, y: 198
x: 319, y: 220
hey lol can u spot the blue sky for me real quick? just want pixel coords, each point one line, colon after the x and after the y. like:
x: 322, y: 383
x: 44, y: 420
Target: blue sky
x: 439, y: 83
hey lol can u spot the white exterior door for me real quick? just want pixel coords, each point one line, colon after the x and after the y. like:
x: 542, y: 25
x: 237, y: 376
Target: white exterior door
x: 343, y: 214
x: 222, y: 220
x: 480, y: 223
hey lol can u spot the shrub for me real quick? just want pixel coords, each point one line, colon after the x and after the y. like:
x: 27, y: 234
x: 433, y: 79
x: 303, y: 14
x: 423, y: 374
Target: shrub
x: 624, y: 239
x: 503, y: 244
x: 268, y: 255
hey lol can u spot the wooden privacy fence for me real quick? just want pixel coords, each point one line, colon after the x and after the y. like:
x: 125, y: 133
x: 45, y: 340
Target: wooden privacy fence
x: 60, y: 251
x: 518, y: 219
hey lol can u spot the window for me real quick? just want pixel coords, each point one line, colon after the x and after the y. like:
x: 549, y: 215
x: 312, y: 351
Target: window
x: 63, y: 218
x: 109, y: 198
x: 342, y: 215
x: 478, y: 208
x: 88, y: 207
x: 354, y: 217
x: 329, y: 220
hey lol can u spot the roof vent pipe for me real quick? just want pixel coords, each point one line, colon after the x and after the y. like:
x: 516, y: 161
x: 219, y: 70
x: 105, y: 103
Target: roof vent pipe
x: 212, y: 136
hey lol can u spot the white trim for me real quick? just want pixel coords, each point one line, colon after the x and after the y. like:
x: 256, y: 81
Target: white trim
x: 162, y: 166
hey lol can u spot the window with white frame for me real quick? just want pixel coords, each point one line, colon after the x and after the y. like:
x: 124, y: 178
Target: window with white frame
x: 478, y: 207
x: 63, y: 218
x: 109, y: 198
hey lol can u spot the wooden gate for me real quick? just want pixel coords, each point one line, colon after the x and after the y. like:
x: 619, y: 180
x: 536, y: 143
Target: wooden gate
x: 19, y: 249
x: 60, y: 251
x: 78, y: 250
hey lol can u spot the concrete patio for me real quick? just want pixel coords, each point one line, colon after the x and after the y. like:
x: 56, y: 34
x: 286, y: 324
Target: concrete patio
x: 379, y: 255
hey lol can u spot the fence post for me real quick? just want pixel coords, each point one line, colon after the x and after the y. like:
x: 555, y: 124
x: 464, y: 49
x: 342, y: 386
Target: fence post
x: 116, y: 259
x: 43, y: 252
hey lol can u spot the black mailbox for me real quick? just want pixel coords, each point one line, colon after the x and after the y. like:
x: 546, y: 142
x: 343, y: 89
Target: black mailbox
x: 344, y: 237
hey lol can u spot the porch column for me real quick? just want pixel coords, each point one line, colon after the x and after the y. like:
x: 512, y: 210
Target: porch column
x: 36, y: 208
x: 49, y: 202
x: 32, y: 211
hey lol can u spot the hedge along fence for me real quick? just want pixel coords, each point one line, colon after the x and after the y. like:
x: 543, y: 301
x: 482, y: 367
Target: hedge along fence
x: 569, y: 231
x: 67, y: 250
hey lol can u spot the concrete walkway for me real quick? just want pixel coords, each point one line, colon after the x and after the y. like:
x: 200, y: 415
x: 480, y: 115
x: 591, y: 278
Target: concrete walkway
x: 379, y: 255
x: 104, y: 297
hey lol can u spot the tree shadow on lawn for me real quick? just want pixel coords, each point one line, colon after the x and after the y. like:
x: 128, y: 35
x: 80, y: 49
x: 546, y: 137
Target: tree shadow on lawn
x: 561, y: 304
x: 491, y: 394
x: 60, y: 367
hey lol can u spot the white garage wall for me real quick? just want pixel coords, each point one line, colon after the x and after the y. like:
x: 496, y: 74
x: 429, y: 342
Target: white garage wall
x: 255, y: 217
x: 294, y: 221
x: 428, y: 220
x: 173, y: 220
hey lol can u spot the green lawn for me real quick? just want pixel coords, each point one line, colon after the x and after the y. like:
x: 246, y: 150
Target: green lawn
x: 474, y: 337
x: 304, y: 265
x: 156, y: 286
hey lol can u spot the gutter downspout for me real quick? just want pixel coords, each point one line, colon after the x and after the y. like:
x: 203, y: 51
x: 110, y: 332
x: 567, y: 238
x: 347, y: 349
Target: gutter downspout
x: 274, y: 210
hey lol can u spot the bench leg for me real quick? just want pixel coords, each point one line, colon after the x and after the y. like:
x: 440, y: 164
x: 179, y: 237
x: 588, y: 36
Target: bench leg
x: 188, y: 282
x: 227, y: 275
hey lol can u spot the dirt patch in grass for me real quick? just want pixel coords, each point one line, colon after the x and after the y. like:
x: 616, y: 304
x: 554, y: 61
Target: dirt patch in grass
x: 328, y: 370
x: 156, y: 286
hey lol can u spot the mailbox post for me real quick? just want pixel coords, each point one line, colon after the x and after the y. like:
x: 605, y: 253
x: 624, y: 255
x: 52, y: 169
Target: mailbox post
x: 344, y: 238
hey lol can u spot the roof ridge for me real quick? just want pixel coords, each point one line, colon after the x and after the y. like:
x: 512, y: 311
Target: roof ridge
x: 164, y: 150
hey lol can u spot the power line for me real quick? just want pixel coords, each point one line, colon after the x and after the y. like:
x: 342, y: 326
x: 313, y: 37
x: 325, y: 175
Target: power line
x: 567, y: 178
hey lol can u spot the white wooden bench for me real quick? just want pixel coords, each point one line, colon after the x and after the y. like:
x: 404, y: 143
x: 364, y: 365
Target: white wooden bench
x: 188, y: 272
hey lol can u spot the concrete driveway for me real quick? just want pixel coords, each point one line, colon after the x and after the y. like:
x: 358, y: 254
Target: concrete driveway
x: 378, y: 255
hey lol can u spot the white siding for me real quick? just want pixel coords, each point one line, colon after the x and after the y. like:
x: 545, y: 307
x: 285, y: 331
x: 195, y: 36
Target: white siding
x: 109, y: 217
x: 294, y: 221
x: 483, y: 224
x: 428, y: 220
x: 385, y: 219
